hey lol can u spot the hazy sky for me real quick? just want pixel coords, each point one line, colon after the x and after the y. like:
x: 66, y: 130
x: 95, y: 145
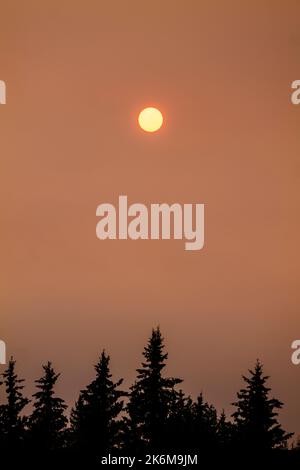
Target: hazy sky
x: 77, y: 74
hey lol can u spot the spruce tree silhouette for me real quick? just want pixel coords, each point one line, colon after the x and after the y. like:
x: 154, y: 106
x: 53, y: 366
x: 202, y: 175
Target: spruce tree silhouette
x: 205, y: 424
x: 76, y: 435
x: 96, y: 424
x: 258, y: 430
x: 225, y: 432
x: 151, y: 398
x: 47, y: 423
x: 12, y: 422
x: 180, y: 424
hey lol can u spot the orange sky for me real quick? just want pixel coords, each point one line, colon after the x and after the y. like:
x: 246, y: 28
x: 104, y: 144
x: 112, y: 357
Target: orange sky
x: 77, y: 74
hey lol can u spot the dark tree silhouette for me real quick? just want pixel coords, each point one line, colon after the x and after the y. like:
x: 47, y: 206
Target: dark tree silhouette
x: 225, y: 433
x: 77, y: 421
x: 258, y: 430
x: 205, y: 422
x: 180, y: 424
x: 12, y: 423
x: 47, y: 423
x: 96, y: 425
x: 158, y: 419
x: 151, y: 397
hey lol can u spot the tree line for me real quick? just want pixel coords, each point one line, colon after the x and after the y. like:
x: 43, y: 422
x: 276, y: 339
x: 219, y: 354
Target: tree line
x: 154, y: 417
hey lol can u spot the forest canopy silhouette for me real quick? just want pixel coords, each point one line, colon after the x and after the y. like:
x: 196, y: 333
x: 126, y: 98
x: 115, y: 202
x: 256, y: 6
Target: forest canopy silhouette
x: 154, y: 417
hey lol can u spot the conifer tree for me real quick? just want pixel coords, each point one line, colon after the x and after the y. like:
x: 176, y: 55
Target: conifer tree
x: 205, y: 424
x: 12, y: 422
x: 77, y: 422
x: 151, y: 397
x: 258, y: 429
x: 48, y: 422
x: 95, y: 420
x: 225, y: 430
x: 180, y: 424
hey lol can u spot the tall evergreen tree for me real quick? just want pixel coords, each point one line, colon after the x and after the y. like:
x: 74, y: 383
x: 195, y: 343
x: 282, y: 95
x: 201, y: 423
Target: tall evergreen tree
x: 96, y: 424
x: 151, y: 397
x: 12, y: 421
x: 258, y: 429
x: 48, y: 422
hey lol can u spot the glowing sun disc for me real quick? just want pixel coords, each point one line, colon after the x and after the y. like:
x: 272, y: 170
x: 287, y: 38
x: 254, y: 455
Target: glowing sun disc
x: 150, y: 119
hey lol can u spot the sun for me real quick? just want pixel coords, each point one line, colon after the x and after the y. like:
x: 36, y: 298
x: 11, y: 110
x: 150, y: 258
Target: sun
x: 150, y: 119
